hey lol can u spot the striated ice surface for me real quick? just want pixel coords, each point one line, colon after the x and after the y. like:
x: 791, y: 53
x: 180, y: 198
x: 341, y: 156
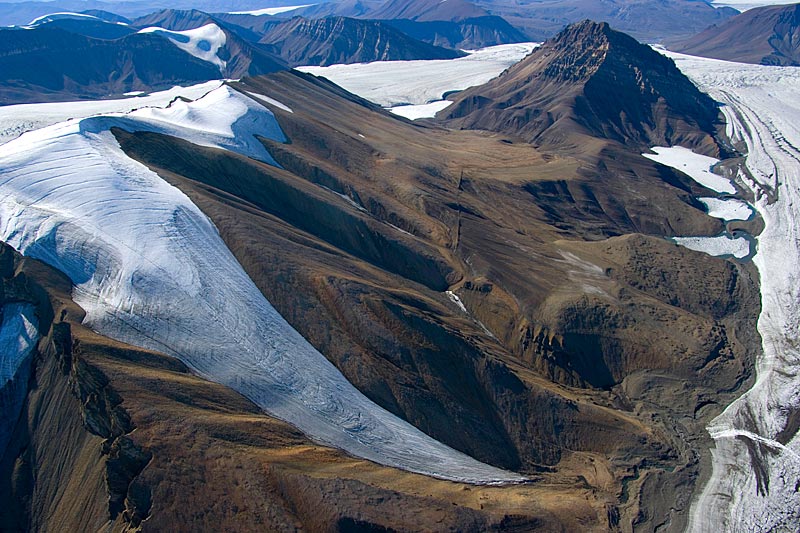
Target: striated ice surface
x: 150, y: 269
x: 755, y: 483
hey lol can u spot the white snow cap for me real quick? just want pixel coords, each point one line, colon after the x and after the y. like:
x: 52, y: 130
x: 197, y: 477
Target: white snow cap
x: 203, y: 42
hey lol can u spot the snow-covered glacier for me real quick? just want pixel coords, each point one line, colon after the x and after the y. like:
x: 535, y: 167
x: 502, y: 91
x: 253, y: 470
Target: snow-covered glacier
x: 755, y: 483
x: 150, y: 269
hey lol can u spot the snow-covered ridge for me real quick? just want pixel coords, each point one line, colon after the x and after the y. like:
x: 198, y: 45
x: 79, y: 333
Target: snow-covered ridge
x: 203, y: 42
x: 756, y: 465
x: 150, y: 269
x: 66, y: 15
x: 270, y: 10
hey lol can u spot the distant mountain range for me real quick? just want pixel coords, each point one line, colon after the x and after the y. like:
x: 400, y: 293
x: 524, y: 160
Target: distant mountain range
x: 765, y: 35
x: 651, y: 20
x: 77, y: 57
x: 68, y: 56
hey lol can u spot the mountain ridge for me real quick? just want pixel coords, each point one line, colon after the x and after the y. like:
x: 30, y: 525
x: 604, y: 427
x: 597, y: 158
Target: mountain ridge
x: 768, y: 35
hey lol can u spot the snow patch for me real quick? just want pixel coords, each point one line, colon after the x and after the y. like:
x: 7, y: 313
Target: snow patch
x: 203, y: 42
x: 696, y: 166
x: 272, y: 101
x: 456, y: 300
x: 413, y: 112
x: 719, y: 246
x: 18, y: 337
x: 727, y: 208
x: 66, y: 15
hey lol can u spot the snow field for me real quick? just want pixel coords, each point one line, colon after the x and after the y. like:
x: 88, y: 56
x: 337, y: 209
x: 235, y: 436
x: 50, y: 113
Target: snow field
x: 402, y: 83
x: 17, y: 119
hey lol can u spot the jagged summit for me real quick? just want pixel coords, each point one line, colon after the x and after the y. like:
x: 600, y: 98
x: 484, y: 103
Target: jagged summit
x: 590, y: 80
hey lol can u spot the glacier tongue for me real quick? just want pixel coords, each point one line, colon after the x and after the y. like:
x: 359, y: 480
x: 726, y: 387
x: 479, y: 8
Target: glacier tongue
x: 755, y: 483
x: 150, y: 269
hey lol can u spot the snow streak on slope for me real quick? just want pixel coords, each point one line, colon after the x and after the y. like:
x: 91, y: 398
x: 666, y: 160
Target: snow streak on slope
x: 203, y: 42
x: 64, y: 15
x: 394, y: 83
x: 17, y: 119
x: 270, y: 10
x: 150, y: 269
x: 756, y: 469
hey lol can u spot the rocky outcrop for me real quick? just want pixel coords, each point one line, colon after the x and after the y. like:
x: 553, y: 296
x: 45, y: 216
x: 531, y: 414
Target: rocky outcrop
x: 594, y: 81
x: 72, y: 428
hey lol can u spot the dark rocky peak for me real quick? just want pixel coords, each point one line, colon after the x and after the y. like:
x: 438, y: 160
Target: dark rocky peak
x: 591, y: 80
x: 174, y: 19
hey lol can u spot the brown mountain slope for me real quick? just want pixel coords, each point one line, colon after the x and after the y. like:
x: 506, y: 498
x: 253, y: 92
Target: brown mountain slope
x: 590, y: 81
x: 567, y: 354
x: 767, y: 35
x: 121, y: 439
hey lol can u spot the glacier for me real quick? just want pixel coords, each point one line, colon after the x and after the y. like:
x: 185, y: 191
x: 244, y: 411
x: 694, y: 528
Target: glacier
x: 423, y: 81
x: 150, y: 269
x: 755, y: 474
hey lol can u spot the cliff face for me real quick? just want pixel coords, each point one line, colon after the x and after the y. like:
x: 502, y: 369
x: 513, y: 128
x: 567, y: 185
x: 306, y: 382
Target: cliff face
x: 590, y: 80
x: 767, y: 35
